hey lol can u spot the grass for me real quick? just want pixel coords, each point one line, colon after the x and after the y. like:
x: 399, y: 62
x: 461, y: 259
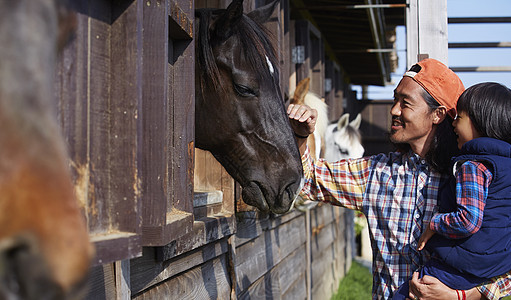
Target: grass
x: 356, y: 285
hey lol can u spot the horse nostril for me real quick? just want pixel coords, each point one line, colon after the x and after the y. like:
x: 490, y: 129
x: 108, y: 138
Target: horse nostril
x: 24, y: 273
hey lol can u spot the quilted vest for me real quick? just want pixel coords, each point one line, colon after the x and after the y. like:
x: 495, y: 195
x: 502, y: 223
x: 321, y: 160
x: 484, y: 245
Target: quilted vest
x: 487, y: 253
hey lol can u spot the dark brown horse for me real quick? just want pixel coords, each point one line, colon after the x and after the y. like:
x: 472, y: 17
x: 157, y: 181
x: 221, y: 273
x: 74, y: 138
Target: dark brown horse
x: 240, y: 115
x: 44, y: 246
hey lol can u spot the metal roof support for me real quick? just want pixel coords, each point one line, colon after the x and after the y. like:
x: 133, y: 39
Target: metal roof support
x: 376, y: 23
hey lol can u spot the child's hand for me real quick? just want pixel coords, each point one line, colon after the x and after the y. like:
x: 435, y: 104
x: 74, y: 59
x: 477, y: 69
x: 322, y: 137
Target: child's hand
x: 426, y: 235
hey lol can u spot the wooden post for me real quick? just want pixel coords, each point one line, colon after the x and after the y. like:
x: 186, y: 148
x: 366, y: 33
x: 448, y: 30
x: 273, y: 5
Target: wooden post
x: 122, y: 280
x: 308, y: 253
x: 426, y: 31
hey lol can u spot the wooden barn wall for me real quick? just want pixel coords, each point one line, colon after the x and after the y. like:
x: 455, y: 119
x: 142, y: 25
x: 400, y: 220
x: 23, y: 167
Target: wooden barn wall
x: 166, y: 219
x: 376, y: 121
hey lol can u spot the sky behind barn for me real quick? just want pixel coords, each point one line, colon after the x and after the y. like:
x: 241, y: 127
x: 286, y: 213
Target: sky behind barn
x: 471, y: 57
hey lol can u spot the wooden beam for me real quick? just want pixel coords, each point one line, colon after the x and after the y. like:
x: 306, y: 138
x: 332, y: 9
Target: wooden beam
x: 344, y: 7
x: 482, y: 69
x: 479, y: 20
x: 481, y: 45
x: 426, y: 31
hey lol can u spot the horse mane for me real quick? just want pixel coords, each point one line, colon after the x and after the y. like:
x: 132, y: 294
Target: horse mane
x: 254, y: 38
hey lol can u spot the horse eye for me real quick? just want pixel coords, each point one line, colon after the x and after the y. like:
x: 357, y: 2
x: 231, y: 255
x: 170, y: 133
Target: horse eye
x: 244, y: 91
x: 343, y: 151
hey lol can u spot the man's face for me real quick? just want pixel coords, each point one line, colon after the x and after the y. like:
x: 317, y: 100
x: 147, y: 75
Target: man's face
x: 412, y: 119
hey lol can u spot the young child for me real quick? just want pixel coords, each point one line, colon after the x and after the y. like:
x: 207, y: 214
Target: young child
x: 473, y: 229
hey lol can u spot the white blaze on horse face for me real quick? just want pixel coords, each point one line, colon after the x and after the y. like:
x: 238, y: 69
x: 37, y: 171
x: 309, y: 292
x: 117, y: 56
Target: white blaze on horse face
x: 270, y: 66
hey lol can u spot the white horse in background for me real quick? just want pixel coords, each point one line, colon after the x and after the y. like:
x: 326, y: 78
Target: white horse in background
x: 343, y: 139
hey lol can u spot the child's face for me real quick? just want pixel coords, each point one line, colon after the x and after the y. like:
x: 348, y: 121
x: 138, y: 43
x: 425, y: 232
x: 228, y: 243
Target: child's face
x: 464, y: 129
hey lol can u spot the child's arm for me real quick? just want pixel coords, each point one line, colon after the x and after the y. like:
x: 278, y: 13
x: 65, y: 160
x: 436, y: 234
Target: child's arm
x: 426, y: 235
x: 472, y: 181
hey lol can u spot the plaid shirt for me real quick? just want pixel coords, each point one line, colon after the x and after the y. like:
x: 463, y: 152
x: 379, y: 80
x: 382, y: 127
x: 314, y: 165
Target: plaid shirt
x: 397, y: 193
x: 472, y: 182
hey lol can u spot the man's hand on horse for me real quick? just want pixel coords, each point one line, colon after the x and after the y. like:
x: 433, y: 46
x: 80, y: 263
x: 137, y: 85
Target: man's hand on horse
x: 302, y: 118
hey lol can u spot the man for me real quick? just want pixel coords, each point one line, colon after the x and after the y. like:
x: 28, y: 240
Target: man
x: 397, y: 192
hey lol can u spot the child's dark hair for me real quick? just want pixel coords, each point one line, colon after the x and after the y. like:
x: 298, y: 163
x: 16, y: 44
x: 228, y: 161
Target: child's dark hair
x: 488, y: 106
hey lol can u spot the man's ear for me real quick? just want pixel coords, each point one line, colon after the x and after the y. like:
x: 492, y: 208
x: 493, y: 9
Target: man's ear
x: 439, y: 114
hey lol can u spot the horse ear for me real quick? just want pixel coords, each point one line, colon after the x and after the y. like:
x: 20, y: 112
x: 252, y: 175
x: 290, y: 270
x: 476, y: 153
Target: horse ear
x: 302, y: 88
x: 226, y: 22
x: 356, y: 123
x: 263, y: 13
x: 343, y: 121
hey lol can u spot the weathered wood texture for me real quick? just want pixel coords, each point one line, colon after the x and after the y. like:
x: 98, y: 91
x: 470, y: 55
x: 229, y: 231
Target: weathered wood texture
x: 426, y: 31
x: 331, y: 246
x: 309, y: 37
x: 98, y: 95
x: 269, y: 262
x: 125, y: 87
x: 334, y: 96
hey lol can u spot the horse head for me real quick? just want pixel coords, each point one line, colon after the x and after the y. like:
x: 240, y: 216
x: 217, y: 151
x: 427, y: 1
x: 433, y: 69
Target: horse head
x: 239, y: 112
x: 343, y: 139
x: 44, y: 244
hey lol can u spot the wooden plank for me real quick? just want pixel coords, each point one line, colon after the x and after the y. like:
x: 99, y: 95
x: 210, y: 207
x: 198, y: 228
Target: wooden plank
x: 147, y: 271
x: 125, y: 93
x: 265, y: 287
x: 322, y: 215
x: 478, y: 20
x: 229, y: 192
x: 427, y: 31
x: 71, y: 89
x: 292, y: 269
x: 296, y: 291
x: 302, y: 38
x: 204, y: 231
x: 323, y: 283
x: 482, y: 69
x: 199, y: 178
x: 257, y: 257
x: 98, y: 95
x: 481, y: 45
x: 115, y: 246
x: 153, y: 116
x: 323, y: 239
x: 98, y: 98
x: 101, y: 282
x: 279, y: 280
x: 207, y: 281
x: 213, y: 173
x: 284, y: 51
x: 292, y: 67
x: 122, y: 280
x: 181, y: 62
x: 251, y: 225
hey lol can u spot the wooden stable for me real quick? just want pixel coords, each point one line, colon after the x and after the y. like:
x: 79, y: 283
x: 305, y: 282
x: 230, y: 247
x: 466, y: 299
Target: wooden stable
x: 166, y: 219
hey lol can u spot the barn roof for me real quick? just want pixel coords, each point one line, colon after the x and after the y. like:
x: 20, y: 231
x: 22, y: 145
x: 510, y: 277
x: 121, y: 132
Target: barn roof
x: 356, y: 36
